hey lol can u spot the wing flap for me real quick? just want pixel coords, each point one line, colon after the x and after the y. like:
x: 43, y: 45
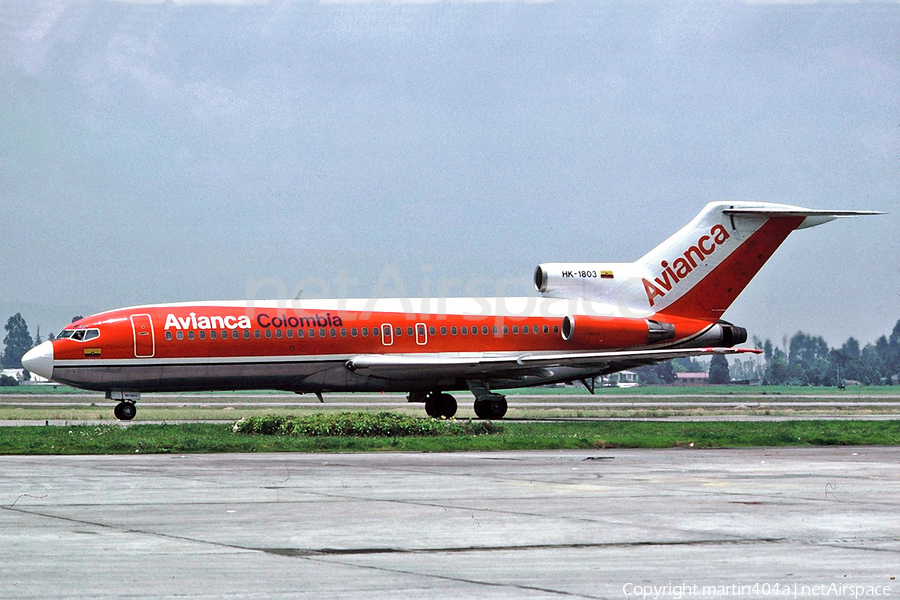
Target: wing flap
x: 423, y: 366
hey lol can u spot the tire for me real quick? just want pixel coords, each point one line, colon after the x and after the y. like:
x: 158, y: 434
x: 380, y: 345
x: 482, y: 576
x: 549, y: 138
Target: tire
x: 125, y: 411
x: 493, y: 406
x: 447, y: 406
x: 440, y: 406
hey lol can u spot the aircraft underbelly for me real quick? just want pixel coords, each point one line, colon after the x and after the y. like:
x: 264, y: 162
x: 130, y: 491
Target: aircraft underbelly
x: 293, y: 376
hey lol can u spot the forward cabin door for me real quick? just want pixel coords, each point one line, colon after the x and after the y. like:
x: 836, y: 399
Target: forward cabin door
x: 144, y: 342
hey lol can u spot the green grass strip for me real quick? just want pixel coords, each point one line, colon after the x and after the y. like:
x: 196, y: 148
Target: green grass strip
x: 212, y: 438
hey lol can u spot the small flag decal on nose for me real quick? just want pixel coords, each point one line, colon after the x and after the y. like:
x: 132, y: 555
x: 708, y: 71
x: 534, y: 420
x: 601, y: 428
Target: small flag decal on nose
x: 606, y: 275
x: 92, y: 351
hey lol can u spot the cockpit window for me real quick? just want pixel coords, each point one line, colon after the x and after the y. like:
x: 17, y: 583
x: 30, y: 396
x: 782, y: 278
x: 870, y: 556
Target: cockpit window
x: 79, y: 335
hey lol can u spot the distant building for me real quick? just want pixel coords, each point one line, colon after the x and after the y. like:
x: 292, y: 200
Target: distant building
x: 691, y: 378
x: 621, y: 379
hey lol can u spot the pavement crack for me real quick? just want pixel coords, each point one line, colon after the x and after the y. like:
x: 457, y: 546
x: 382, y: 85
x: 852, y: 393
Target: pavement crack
x: 311, y: 552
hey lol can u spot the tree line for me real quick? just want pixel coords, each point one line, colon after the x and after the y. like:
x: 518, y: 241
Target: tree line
x: 803, y: 359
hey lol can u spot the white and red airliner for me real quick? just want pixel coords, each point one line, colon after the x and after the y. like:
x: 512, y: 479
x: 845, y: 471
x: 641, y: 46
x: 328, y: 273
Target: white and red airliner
x: 590, y: 319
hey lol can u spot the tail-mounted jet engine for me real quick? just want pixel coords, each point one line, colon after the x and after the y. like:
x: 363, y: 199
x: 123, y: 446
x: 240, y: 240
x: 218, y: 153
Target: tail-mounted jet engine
x: 615, y: 332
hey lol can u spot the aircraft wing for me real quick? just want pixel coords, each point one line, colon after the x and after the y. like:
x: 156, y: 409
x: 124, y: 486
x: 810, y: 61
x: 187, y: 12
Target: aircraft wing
x: 414, y: 366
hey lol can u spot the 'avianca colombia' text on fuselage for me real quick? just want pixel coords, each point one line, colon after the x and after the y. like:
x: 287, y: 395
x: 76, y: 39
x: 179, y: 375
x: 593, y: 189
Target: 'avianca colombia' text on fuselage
x: 306, y: 347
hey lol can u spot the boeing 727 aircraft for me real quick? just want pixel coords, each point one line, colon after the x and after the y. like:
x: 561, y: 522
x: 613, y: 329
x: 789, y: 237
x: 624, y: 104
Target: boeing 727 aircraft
x: 590, y: 319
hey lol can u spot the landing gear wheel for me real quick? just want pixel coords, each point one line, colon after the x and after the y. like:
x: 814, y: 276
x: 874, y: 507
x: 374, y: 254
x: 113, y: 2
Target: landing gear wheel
x: 125, y: 411
x: 491, y: 406
x: 440, y: 406
x: 447, y: 406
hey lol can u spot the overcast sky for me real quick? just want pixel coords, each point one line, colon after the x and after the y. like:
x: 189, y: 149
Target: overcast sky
x: 160, y: 152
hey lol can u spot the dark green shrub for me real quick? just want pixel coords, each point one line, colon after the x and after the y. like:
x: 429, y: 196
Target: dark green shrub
x: 361, y: 424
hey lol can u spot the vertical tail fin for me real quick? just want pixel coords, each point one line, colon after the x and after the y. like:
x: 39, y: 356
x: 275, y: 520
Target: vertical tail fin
x: 700, y: 270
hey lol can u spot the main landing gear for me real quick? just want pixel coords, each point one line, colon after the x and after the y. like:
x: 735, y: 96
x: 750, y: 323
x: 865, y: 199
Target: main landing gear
x: 438, y: 405
x: 488, y: 404
x: 491, y: 406
x: 125, y: 410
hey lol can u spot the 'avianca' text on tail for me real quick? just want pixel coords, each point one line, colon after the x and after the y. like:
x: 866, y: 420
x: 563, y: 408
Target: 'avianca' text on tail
x: 590, y: 319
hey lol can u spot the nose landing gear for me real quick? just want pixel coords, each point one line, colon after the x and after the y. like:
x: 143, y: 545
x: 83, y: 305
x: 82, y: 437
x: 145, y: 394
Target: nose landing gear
x: 125, y: 410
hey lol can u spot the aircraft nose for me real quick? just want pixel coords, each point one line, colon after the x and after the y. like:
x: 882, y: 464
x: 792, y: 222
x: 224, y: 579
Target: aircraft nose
x: 39, y: 360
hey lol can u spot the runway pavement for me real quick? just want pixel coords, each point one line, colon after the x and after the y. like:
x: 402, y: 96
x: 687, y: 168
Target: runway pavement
x: 583, y: 524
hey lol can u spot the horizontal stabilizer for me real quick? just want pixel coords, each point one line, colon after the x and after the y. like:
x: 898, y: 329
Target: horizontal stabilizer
x: 793, y: 211
x: 811, y: 217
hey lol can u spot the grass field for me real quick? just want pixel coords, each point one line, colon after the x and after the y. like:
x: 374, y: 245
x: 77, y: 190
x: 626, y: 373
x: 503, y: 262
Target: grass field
x: 594, y: 435
x: 59, y: 403
x: 627, y: 406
